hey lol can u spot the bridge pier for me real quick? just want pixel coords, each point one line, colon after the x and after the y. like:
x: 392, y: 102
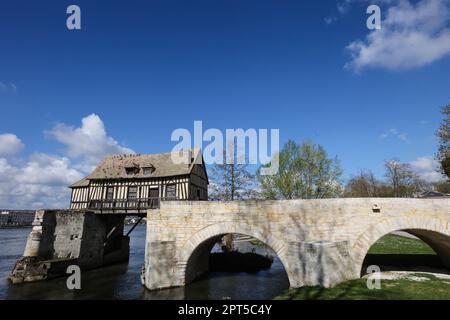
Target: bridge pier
x: 318, y: 263
x: 161, y: 269
x: 60, y: 238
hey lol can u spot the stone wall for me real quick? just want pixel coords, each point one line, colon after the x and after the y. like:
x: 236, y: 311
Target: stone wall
x: 319, y: 242
x: 64, y: 237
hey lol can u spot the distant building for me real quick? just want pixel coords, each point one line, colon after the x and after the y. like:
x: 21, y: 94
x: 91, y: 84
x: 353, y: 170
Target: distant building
x: 16, y: 218
x: 135, y: 183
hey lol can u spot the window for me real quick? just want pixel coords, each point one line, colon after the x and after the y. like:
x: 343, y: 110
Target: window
x: 198, y: 194
x: 109, y: 193
x: 132, y: 192
x: 154, y: 193
x: 148, y: 170
x: 132, y: 170
x: 171, y: 191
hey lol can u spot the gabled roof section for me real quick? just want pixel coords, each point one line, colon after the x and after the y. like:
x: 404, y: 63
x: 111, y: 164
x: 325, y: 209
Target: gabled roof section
x: 81, y: 183
x: 159, y: 165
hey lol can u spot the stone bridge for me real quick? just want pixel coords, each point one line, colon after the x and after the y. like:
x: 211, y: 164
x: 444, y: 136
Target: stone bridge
x: 319, y: 242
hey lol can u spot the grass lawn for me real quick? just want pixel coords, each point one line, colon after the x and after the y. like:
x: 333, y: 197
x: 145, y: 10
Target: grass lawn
x: 390, y: 248
x: 401, y: 289
x: 394, y: 244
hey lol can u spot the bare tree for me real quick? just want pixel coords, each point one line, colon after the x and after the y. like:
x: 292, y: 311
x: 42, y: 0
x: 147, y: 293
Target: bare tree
x: 231, y: 181
x: 362, y: 186
x: 442, y: 186
x: 403, y: 181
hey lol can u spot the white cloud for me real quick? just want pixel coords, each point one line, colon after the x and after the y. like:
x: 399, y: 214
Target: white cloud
x: 42, y: 180
x: 39, y: 182
x: 412, y: 35
x: 393, y: 132
x: 88, y: 143
x: 427, y: 168
x: 48, y: 170
x: 10, y: 144
x: 344, y: 6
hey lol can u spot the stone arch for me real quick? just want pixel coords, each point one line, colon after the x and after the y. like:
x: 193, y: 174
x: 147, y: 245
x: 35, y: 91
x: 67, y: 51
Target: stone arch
x: 199, y: 246
x: 433, y: 231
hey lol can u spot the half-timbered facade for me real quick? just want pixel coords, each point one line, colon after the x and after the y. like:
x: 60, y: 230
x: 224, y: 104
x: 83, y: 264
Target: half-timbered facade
x: 134, y: 183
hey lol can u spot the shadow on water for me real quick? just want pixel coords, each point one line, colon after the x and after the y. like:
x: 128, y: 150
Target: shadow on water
x: 122, y: 281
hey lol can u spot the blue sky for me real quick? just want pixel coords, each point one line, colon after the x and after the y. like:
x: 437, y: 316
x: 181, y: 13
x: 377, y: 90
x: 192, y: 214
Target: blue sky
x: 309, y: 68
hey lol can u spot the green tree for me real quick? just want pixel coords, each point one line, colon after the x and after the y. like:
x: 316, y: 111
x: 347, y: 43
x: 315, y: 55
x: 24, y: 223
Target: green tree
x: 305, y: 172
x: 443, y: 134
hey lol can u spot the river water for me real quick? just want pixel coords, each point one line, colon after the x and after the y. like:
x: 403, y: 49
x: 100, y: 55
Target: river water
x: 122, y: 281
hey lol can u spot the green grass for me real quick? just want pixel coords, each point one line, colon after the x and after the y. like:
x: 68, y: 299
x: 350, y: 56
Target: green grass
x: 401, y: 289
x: 390, y: 248
x: 394, y: 244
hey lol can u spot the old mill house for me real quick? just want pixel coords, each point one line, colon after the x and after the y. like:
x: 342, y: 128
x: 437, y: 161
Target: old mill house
x: 135, y: 183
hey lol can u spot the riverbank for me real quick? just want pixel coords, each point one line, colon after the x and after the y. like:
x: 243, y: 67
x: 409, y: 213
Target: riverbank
x: 407, y: 286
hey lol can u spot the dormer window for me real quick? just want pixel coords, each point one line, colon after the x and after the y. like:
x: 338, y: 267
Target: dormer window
x: 148, y: 170
x: 131, y: 170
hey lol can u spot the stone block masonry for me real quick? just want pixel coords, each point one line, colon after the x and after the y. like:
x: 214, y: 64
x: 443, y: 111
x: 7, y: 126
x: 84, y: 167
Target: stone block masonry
x: 319, y: 242
x: 60, y: 238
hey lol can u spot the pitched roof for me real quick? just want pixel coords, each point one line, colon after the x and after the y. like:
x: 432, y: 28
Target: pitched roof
x: 81, y: 183
x: 161, y: 164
